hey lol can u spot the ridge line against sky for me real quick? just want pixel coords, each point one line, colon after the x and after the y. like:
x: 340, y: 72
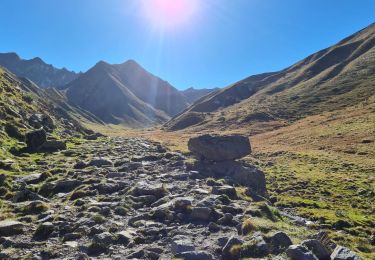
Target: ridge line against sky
x: 205, y: 43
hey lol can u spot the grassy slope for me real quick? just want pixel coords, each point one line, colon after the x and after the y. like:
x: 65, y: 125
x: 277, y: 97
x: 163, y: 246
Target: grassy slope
x: 331, y: 79
x: 323, y: 167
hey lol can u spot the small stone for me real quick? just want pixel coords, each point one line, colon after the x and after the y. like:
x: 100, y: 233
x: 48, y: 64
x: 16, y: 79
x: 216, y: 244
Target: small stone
x: 182, y: 244
x: 226, y: 219
x: 343, y: 253
x: 100, y: 162
x: 213, y: 227
x: 196, y: 255
x: 44, y: 230
x: 280, y: 242
x: 200, y: 213
x: 225, y: 190
x: 231, y: 242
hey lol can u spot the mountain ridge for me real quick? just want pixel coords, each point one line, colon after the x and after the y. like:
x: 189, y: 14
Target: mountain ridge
x: 334, y: 77
x: 43, y: 74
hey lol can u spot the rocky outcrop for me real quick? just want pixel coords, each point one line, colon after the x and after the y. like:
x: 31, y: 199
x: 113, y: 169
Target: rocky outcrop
x: 216, y: 158
x: 37, y: 141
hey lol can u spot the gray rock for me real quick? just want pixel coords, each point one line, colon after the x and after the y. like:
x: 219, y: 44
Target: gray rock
x: 181, y: 204
x: 65, y: 186
x: 143, y: 188
x: 13, y: 131
x: 44, y: 230
x: 35, y: 139
x: 231, y: 242
x: 298, y: 252
x: 27, y: 195
x: 31, y: 179
x: 100, y: 162
x: 41, y: 120
x: 124, y: 237
x: 280, y: 242
x: 53, y: 145
x: 200, y: 213
x: 225, y: 190
x: 318, y: 249
x: 181, y: 244
x: 10, y: 228
x: 226, y: 219
x: 343, y: 253
x: 255, y: 248
x: 196, y: 255
x: 220, y: 148
x: 213, y: 227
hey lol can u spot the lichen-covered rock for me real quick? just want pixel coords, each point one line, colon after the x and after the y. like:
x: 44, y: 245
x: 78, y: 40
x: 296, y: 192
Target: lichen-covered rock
x: 343, y: 253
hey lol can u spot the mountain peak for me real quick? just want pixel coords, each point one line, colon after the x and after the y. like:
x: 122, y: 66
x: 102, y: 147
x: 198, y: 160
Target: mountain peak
x: 43, y: 74
x: 10, y: 55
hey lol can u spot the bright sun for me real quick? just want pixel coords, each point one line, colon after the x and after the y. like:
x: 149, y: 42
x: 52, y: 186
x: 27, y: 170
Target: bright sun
x: 169, y: 13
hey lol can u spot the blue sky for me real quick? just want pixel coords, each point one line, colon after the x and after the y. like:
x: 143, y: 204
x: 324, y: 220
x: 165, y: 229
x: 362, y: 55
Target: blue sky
x: 222, y: 42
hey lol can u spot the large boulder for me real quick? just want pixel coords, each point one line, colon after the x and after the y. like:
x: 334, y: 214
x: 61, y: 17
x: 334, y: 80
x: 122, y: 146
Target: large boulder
x: 220, y: 148
x: 36, y: 139
x: 41, y: 120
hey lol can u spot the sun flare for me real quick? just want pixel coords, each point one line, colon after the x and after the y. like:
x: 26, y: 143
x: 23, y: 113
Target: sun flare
x: 169, y: 13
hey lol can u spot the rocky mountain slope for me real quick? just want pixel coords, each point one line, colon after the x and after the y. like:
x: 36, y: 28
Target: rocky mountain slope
x: 24, y: 107
x: 333, y: 78
x: 104, y: 91
x: 44, y: 75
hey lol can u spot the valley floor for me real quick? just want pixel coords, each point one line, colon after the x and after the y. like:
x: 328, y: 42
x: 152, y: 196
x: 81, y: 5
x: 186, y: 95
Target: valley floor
x: 321, y: 167
x: 126, y: 198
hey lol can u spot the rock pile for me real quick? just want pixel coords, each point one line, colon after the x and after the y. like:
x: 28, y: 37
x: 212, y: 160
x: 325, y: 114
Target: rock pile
x: 217, y: 158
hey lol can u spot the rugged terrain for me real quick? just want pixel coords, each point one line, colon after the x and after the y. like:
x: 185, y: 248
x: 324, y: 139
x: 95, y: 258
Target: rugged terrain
x: 128, y: 198
x: 142, y: 194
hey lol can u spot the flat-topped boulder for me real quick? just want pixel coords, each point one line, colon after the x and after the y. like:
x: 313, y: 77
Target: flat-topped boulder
x: 220, y: 147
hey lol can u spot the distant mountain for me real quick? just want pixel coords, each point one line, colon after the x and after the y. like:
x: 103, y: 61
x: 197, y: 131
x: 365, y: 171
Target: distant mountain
x: 125, y: 94
x: 193, y: 94
x: 340, y: 76
x: 44, y: 75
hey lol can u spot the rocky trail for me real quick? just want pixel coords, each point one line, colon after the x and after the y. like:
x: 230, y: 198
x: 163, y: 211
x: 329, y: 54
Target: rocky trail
x: 129, y: 198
